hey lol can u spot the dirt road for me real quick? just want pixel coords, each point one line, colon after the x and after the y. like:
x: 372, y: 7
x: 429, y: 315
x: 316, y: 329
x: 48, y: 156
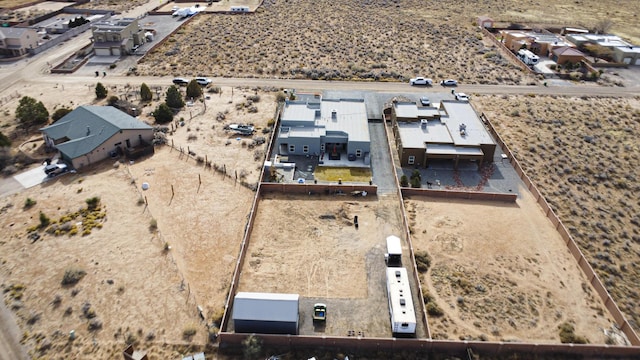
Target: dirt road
x: 10, y: 348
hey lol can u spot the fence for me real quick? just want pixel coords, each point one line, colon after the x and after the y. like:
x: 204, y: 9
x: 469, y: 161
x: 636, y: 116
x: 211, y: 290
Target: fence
x: 394, y: 345
x: 571, y: 244
x: 454, y: 194
x: 506, y: 51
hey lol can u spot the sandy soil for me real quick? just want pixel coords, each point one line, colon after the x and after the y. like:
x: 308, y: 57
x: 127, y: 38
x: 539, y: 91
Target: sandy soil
x: 195, y: 223
x: 583, y: 156
x: 501, y: 272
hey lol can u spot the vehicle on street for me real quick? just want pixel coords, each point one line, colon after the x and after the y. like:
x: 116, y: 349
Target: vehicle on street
x: 420, y: 81
x: 241, y: 129
x: 319, y: 312
x: 462, y: 97
x: 181, y: 81
x: 449, y: 82
x: 425, y: 101
x: 203, y: 81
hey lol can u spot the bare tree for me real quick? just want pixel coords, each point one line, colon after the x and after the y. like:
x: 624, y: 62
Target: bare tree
x: 602, y: 26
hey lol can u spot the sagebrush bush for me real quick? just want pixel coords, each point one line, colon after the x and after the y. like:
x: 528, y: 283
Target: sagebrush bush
x: 72, y: 276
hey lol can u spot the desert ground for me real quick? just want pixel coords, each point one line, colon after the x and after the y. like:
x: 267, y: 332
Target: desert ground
x: 582, y: 153
x: 501, y: 272
x: 193, y: 223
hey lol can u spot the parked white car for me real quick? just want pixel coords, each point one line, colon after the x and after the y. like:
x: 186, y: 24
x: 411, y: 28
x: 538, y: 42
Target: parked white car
x: 421, y: 81
x: 448, y: 82
x: 462, y: 97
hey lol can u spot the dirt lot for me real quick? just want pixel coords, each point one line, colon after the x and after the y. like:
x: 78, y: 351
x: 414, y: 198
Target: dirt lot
x: 582, y: 153
x: 309, y: 246
x: 501, y: 272
x: 194, y: 223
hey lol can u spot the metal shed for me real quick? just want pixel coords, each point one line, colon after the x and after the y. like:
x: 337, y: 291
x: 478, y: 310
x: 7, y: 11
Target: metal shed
x: 265, y: 313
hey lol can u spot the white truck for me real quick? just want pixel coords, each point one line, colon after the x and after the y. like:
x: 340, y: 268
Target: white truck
x: 393, y: 257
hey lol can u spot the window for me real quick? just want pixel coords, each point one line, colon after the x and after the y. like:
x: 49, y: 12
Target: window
x: 305, y: 149
x: 411, y: 160
x: 358, y: 152
x: 404, y: 325
x: 292, y: 148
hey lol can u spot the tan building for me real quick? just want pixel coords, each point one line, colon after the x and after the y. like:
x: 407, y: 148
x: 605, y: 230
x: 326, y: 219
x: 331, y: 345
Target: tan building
x: 90, y: 134
x: 452, y: 131
x: 116, y: 37
x: 485, y: 22
x: 15, y: 41
x: 566, y: 54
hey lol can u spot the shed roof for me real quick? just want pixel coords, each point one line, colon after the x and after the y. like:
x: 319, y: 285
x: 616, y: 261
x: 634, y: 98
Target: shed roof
x: 87, y: 127
x: 266, y: 307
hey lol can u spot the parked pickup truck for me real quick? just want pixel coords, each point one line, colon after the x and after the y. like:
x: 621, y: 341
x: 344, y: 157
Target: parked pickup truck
x: 420, y: 81
x: 53, y: 170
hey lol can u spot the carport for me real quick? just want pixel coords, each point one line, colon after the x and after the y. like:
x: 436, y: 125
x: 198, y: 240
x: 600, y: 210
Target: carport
x: 455, y: 153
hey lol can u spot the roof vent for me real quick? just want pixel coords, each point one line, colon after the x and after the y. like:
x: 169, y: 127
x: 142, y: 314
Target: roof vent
x: 423, y: 123
x: 463, y: 129
x: 334, y: 115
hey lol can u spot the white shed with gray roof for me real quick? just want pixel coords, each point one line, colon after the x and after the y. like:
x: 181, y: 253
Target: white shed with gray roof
x: 265, y: 313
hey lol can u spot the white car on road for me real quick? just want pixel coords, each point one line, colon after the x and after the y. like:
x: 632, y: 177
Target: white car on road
x: 203, y: 81
x: 421, y: 81
x: 462, y: 97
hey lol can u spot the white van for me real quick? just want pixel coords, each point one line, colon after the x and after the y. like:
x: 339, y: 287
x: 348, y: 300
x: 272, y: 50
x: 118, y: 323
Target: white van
x: 393, y: 257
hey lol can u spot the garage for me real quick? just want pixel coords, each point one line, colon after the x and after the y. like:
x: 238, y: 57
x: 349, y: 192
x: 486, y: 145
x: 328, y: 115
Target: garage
x: 266, y: 313
x: 102, y: 51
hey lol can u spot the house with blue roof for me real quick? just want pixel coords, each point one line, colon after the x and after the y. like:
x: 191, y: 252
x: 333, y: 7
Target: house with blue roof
x: 90, y: 134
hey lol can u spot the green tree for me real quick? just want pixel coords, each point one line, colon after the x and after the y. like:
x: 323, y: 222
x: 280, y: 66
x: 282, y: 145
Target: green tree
x: 145, y: 92
x: 4, y: 140
x: 31, y: 112
x: 101, y: 91
x: 194, y: 90
x: 113, y: 100
x: 163, y: 114
x: 60, y: 113
x: 252, y: 347
x: 174, y: 98
x: 404, y: 181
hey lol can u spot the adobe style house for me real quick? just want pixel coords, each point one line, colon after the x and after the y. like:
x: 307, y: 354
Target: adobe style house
x: 325, y: 127
x: 90, y: 134
x: 538, y: 43
x: 115, y: 37
x: 622, y: 51
x: 566, y: 54
x: 451, y: 131
x: 15, y: 41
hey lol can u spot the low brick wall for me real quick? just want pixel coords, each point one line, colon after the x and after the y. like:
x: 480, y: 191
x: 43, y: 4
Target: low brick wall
x: 456, y: 194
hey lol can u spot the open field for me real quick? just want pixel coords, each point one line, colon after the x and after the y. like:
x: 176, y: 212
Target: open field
x: 582, y: 153
x: 392, y: 41
x: 115, y: 5
x: 501, y: 272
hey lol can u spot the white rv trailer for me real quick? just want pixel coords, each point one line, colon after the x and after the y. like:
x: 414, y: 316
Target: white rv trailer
x: 393, y: 257
x: 528, y: 57
x: 403, y: 316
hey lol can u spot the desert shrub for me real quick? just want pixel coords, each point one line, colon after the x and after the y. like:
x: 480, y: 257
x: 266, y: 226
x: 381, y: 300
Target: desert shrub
x: 145, y: 92
x: 568, y: 336
x: 433, y: 309
x: 93, y: 203
x: 44, y: 220
x: 72, y: 276
x: 281, y: 97
x: 101, y: 91
x: 60, y: 113
x: 153, y: 225
x: 214, y: 90
x: 113, y: 100
x: 423, y: 261
x: 404, y: 181
x: 29, y: 203
x: 95, y: 324
x: 217, y: 315
x: 251, y: 347
x: 163, y: 114
x: 255, y: 98
x: 189, y: 331
x: 112, y: 66
x: 415, y: 182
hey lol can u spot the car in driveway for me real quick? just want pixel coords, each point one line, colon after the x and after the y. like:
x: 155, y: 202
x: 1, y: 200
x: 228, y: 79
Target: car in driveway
x: 425, y: 101
x: 420, y: 81
x: 449, y: 82
x: 203, y: 81
x: 53, y: 170
x: 462, y: 97
x: 181, y: 81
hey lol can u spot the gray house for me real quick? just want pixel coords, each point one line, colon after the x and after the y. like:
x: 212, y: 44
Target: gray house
x: 335, y: 127
x: 265, y: 313
x: 90, y: 134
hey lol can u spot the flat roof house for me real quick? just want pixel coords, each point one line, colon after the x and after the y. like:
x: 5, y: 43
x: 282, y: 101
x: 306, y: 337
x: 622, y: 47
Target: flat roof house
x: 331, y: 127
x: 265, y: 313
x: 117, y: 37
x: 90, y: 134
x: 451, y: 131
x: 15, y: 41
